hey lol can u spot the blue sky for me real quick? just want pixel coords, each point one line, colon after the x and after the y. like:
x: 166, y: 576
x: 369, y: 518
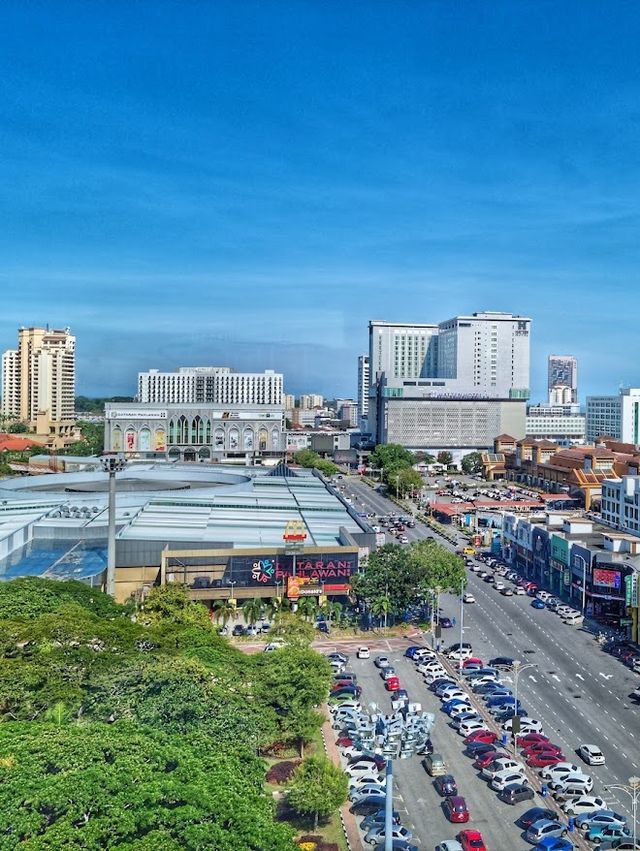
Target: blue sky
x: 247, y: 184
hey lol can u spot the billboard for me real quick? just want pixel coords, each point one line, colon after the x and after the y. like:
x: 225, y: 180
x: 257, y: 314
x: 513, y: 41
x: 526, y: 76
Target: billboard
x: 132, y: 414
x: 608, y: 578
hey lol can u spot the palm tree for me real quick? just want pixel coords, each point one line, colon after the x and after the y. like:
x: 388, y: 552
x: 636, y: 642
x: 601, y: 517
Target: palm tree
x: 224, y: 611
x: 331, y: 610
x: 308, y: 608
x: 381, y: 607
x: 253, y: 610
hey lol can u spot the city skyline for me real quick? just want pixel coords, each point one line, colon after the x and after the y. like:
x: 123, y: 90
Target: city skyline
x: 251, y: 185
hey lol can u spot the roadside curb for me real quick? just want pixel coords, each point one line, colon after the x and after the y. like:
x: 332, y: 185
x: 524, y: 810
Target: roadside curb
x: 347, y: 819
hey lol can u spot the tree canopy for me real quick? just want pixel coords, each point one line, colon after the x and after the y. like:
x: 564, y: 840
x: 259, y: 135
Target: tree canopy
x: 308, y: 458
x: 318, y: 787
x: 141, y: 731
x: 472, y: 463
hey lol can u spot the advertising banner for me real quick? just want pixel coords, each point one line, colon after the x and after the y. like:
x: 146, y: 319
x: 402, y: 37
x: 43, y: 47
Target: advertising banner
x: 608, y: 578
x: 560, y: 549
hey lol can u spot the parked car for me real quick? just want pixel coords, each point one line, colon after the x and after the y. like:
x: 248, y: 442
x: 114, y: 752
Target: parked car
x: 455, y: 809
x: 506, y: 778
x: 445, y: 785
x: 434, y: 764
x: 382, y: 661
x: 471, y: 840
x: 544, y: 828
x: 602, y: 817
x: 363, y: 653
x: 378, y: 834
x: 515, y: 793
x: 584, y: 804
x: 534, y: 814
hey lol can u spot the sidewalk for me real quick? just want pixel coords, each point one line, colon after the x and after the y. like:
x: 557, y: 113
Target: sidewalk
x: 349, y: 823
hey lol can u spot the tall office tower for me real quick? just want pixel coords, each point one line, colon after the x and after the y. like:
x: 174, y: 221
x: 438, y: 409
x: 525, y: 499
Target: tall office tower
x: 363, y: 390
x: 310, y: 400
x: 210, y: 384
x: 563, y: 372
x: 402, y: 350
x: 38, y: 383
x: 486, y: 354
x: 615, y: 416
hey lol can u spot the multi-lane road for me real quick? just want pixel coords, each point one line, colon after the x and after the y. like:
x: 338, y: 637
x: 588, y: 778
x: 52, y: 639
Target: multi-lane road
x: 579, y: 693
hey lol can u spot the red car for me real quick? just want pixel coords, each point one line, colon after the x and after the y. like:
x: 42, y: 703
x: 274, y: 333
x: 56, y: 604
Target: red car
x: 485, y: 736
x: 472, y: 661
x: 531, y: 739
x: 540, y: 747
x: 487, y: 758
x: 392, y: 684
x: 455, y: 809
x: 542, y: 760
x: 344, y: 741
x: 471, y: 840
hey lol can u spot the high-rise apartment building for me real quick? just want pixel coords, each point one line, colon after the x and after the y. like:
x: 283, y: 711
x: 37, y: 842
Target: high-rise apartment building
x: 38, y: 384
x: 562, y: 374
x: 363, y: 390
x: 310, y: 400
x: 289, y: 401
x: 402, y: 350
x: 193, y: 385
x: 615, y: 416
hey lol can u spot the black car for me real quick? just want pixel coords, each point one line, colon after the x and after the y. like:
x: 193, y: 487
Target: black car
x: 501, y: 662
x: 535, y: 814
x: 368, y: 804
x: 441, y: 682
x: 238, y: 630
x: 445, y: 785
x: 476, y: 749
x: 514, y: 793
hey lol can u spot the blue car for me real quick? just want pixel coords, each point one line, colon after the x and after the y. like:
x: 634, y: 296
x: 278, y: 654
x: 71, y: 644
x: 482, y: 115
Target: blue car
x: 455, y: 701
x: 500, y: 700
x: 410, y: 652
x: 445, y: 623
x: 552, y: 843
x: 538, y: 604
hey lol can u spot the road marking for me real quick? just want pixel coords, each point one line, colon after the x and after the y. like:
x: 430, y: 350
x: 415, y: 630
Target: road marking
x: 605, y: 676
x: 580, y: 677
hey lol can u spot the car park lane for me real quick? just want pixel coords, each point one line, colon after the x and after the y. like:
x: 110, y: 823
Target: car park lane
x: 494, y: 819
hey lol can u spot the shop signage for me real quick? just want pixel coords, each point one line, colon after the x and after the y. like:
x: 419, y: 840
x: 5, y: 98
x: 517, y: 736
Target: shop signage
x: 610, y: 578
x: 132, y: 414
x: 631, y: 590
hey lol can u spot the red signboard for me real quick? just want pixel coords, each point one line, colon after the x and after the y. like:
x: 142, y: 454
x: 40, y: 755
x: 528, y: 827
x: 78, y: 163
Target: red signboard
x: 610, y: 578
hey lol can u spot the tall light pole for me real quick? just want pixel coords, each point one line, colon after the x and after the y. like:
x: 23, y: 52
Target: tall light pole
x: 632, y: 788
x: 517, y: 667
x: 112, y: 464
x: 461, y: 624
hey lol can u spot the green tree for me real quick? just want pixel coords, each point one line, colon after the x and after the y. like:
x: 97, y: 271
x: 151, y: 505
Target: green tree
x: 293, y: 682
x: 254, y: 610
x: 308, y: 458
x: 292, y: 629
x: 381, y: 607
x: 445, y: 458
x: 28, y: 597
x: 472, y: 463
x: 18, y: 428
x: 114, y: 786
x: 308, y: 608
x: 225, y: 611
x: 391, y: 454
x: 317, y: 788
x: 170, y: 604
x: 331, y: 610
x: 407, y: 481
x: 436, y: 567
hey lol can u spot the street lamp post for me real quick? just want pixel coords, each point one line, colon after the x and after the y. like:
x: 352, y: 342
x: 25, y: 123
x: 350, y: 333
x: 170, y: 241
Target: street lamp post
x: 517, y: 668
x: 231, y: 582
x: 112, y: 464
x: 632, y: 788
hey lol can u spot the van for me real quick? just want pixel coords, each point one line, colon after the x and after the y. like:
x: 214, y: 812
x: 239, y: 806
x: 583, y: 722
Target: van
x: 434, y: 765
x: 574, y: 619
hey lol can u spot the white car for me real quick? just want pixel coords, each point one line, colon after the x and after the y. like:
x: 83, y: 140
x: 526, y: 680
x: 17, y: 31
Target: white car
x: 527, y: 725
x: 519, y: 591
x: 351, y: 750
x: 582, y: 780
x: 504, y: 763
x: 506, y: 778
x: 431, y: 678
x: 363, y: 653
x: 461, y: 654
x: 364, y: 780
x: 591, y: 754
x: 584, y: 804
x: 423, y: 654
x: 428, y: 667
x: 499, y: 586
x: 449, y: 845
x: 469, y: 727
x: 554, y: 772
x: 362, y: 769
x: 451, y: 692
x: 461, y: 709
x: 468, y: 598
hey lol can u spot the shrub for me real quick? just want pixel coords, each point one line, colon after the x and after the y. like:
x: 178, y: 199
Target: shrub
x: 282, y: 771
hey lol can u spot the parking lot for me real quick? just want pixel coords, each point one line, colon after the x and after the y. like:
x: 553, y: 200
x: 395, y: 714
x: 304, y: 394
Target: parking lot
x: 416, y: 799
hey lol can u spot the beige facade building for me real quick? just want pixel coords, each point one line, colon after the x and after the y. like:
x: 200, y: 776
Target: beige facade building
x: 38, y: 384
